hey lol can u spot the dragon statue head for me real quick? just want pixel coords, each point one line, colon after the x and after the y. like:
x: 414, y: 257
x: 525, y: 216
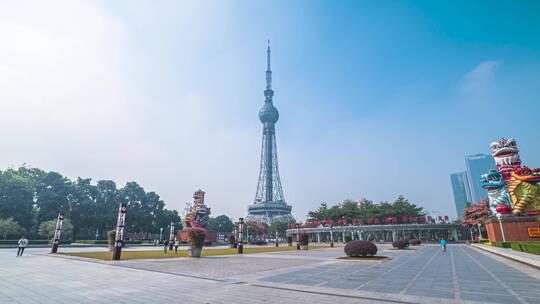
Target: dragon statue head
x: 506, y: 156
x: 524, y: 188
x: 499, y: 199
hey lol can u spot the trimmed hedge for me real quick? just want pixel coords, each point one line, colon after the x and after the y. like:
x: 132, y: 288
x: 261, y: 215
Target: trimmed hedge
x: 415, y: 242
x: 360, y: 248
x: 105, y: 242
x: 32, y: 242
x: 502, y: 244
x: 400, y: 244
x: 528, y: 247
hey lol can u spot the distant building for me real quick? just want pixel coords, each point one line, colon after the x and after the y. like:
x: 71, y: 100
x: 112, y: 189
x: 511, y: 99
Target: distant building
x: 461, y: 191
x: 477, y: 165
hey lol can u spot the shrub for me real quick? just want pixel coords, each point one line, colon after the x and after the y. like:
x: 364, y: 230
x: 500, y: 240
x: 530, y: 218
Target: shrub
x: 502, y: 244
x: 400, y: 244
x: 360, y: 248
x: 303, y: 239
x: 347, y: 238
x: 415, y: 242
x: 232, y: 239
x: 196, y: 237
x: 529, y: 247
x: 258, y: 242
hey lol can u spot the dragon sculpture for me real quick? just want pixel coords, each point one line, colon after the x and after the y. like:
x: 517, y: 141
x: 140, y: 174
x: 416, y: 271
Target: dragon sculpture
x: 524, y: 189
x: 199, y: 213
x: 506, y: 156
x: 499, y: 198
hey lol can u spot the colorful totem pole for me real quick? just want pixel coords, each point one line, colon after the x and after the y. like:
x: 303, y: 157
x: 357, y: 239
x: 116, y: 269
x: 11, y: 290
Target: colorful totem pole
x: 512, y: 189
x: 197, y: 217
x: 513, y: 194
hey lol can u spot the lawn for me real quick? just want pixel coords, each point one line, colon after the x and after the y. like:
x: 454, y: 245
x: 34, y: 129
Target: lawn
x: 158, y: 254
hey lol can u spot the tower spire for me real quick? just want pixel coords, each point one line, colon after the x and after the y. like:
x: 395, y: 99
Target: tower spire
x: 268, y: 71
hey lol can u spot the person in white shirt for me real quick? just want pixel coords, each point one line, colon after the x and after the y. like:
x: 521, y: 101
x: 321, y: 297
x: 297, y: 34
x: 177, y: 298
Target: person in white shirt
x: 22, y: 244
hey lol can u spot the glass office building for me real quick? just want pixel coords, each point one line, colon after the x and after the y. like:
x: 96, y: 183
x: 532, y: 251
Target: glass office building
x: 461, y: 191
x: 477, y: 165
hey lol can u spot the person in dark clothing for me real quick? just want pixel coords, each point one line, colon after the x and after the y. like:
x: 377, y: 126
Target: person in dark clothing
x: 165, y: 246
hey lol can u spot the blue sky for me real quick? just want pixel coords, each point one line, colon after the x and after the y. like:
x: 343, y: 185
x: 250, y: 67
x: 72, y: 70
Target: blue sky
x: 376, y: 99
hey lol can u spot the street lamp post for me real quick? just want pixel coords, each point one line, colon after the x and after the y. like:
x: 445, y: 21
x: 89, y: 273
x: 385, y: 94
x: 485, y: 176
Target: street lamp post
x: 331, y: 236
x: 171, y: 236
x: 277, y: 242
x: 297, y: 236
x: 160, y: 234
x: 57, y: 232
x: 241, y: 235
x: 499, y: 218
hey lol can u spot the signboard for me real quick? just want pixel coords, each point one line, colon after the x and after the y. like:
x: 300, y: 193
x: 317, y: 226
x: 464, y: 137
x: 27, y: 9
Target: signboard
x: 534, y: 232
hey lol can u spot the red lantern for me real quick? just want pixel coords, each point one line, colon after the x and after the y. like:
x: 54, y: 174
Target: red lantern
x: 344, y: 221
x: 446, y: 218
x: 377, y: 220
x: 411, y: 219
x: 291, y: 225
x: 370, y: 221
x: 404, y: 219
x: 360, y: 221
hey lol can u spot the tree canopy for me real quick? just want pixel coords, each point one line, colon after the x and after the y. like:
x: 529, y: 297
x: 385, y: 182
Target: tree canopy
x: 220, y: 223
x: 32, y: 196
x: 365, y: 209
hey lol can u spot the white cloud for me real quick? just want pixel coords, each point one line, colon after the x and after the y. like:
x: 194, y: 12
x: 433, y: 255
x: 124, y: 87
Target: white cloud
x: 479, y: 82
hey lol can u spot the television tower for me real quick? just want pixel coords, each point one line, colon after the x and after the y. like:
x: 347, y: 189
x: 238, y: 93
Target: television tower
x: 269, y: 204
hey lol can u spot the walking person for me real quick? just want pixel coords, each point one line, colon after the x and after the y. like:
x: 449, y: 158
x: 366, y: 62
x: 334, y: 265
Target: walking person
x: 22, y: 244
x: 165, y: 246
x: 176, y: 243
x: 443, y: 245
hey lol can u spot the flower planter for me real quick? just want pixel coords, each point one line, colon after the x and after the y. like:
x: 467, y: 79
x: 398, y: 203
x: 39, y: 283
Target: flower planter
x: 194, y: 252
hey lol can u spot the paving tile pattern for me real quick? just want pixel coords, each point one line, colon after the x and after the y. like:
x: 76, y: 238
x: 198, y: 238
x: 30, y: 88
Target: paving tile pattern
x: 461, y: 273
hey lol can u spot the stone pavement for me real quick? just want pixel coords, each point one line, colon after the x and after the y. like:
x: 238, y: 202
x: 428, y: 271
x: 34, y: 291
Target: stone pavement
x: 523, y: 257
x: 461, y: 275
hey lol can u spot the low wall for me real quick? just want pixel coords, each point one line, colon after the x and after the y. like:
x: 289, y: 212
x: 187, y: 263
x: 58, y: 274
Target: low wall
x: 515, y: 229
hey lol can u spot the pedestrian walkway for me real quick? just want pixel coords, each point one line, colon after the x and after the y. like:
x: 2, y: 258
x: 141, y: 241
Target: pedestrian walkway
x: 461, y: 275
x: 523, y: 257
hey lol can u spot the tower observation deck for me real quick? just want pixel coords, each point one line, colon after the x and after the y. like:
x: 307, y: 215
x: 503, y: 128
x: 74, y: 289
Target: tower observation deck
x: 269, y: 204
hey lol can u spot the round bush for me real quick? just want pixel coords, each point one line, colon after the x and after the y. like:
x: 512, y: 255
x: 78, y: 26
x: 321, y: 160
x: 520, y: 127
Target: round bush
x: 360, y: 248
x: 303, y: 239
x: 400, y: 244
x: 415, y: 242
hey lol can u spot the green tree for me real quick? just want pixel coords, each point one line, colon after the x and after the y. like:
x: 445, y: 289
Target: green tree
x: 279, y: 226
x: 9, y: 227
x: 16, y: 198
x: 220, y: 223
x: 46, y: 229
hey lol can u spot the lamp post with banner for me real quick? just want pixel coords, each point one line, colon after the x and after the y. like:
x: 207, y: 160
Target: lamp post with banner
x: 171, y: 236
x: 119, y: 241
x: 241, y: 235
x: 57, y: 232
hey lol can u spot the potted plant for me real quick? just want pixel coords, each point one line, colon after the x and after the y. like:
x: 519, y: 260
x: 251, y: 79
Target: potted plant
x: 303, y: 240
x: 232, y: 241
x: 111, y: 238
x: 196, y: 238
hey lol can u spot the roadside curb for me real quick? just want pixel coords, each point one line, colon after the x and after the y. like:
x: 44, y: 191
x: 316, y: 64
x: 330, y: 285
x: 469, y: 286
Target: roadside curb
x: 499, y: 251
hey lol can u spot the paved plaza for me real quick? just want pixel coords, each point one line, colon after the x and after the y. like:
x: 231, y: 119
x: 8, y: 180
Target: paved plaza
x: 425, y: 275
